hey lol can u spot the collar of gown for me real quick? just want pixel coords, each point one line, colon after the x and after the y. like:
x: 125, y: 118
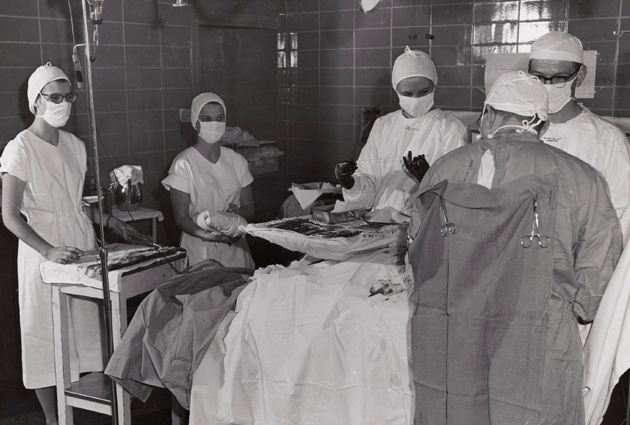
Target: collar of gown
x: 511, y: 136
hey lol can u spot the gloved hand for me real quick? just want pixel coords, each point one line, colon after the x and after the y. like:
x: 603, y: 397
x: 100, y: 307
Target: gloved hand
x: 344, y: 171
x: 417, y: 166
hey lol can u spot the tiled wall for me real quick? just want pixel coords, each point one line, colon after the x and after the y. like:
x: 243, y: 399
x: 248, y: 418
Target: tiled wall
x: 142, y: 74
x: 345, y: 57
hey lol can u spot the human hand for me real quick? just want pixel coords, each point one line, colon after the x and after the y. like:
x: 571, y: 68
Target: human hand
x: 215, y: 236
x: 232, y: 208
x: 127, y: 232
x: 63, y: 254
x: 417, y: 166
x: 344, y: 171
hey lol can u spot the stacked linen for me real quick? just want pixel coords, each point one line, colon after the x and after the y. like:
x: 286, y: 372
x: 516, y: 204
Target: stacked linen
x: 308, y: 345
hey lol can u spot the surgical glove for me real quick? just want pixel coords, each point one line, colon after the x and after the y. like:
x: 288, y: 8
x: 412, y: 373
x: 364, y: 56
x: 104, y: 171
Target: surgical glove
x: 344, y: 171
x: 227, y: 223
x: 417, y: 166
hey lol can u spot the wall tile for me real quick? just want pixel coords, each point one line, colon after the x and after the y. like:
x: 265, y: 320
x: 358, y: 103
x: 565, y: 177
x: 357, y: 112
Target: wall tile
x: 308, y: 59
x: 19, y: 29
x: 452, y: 35
x: 372, y: 57
x: 108, y: 78
x: 140, y: 56
x: 305, y: 95
x: 308, y: 40
x: 303, y: 6
x: 170, y: 15
x: 453, y: 55
x: 331, y: 153
x: 111, y: 34
x: 536, y: 10
x: 304, y: 113
x: 496, y: 11
x: 379, y: 18
x: 372, y: 77
x: 336, y: 39
x: 303, y: 22
x: 336, y: 95
x: 10, y: 106
x: 452, y: 14
x: 623, y: 75
x: 172, y: 122
x: 15, y: 79
x: 110, y: 101
x: 603, y: 98
x: 111, y: 56
x: 506, y: 32
x: 412, y: 37
x: 20, y: 54
x: 606, y: 50
x: 336, y: 132
x: 144, y: 99
x: 454, y: 76
x: 178, y: 139
x: 336, y: 113
x: 307, y: 77
x: 411, y: 16
x: 593, y: 9
x: 605, y: 75
x: 478, y: 76
x: 480, y: 52
x: 144, y: 11
x: 326, y: 5
x: 337, y: 20
x: 337, y: 77
x: 144, y: 120
x: 177, y: 98
x: 18, y: 7
x: 303, y: 131
x: 175, y: 36
x: 452, y: 97
x: 143, y: 78
x: 142, y: 34
x: 530, y: 31
x: 150, y: 141
x: 336, y: 58
x: 116, y: 145
x: 372, y: 96
x: 176, y: 57
x: 111, y: 123
x: 593, y: 29
x: 11, y: 127
x: 373, y: 38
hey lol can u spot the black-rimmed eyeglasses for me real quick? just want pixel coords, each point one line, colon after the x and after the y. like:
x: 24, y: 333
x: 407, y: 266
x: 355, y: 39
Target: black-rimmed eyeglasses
x: 58, y: 97
x: 557, y: 81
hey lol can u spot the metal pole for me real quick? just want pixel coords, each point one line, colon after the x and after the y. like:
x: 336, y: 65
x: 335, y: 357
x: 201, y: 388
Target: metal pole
x: 107, y: 306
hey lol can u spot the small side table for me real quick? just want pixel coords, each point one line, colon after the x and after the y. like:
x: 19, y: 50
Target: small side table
x: 93, y: 391
x: 140, y: 214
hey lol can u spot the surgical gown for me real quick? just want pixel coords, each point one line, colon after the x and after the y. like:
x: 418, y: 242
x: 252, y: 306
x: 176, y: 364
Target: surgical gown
x: 53, y: 177
x: 529, y: 370
x: 599, y: 144
x: 381, y: 182
x: 211, y: 187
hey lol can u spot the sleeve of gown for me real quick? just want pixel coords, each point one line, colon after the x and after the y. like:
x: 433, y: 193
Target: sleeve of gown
x: 456, y: 134
x: 177, y: 177
x: 13, y: 160
x: 617, y: 171
x: 243, y: 171
x: 365, y: 184
x: 597, y: 251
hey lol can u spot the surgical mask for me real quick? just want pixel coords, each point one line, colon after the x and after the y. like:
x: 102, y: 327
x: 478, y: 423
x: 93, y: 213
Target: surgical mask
x: 559, y: 97
x: 417, y: 107
x: 57, y: 114
x: 211, y: 131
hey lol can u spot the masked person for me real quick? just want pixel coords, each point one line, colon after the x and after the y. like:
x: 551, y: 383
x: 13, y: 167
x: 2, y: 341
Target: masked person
x: 210, y: 179
x: 378, y: 179
x: 42, y: 177
x: 514, y: 242
x: 556, y: 59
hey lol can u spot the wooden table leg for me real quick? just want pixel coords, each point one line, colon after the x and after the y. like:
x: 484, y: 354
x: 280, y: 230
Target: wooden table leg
x: 60, y: 308
x: 154, y: 229
x: 119, y: 326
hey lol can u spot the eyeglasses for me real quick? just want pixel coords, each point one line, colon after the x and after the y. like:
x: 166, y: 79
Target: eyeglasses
x: 557, y: 81
x: 58, y: 97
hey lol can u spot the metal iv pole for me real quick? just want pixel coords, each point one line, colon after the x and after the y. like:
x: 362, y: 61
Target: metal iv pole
x: 95, y: 14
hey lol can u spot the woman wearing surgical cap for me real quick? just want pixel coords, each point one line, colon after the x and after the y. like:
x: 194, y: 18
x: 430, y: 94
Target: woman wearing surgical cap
x: 419, y: 132
x: 209, y: 180
x: 42, y: 177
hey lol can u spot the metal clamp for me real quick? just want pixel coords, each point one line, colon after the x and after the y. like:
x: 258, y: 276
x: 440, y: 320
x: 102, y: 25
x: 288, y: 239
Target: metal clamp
x: 528, y: 240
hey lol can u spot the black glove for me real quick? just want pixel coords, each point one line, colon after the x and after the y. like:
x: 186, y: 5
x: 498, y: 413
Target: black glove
x: 417, y: 166
x: 344, y: 171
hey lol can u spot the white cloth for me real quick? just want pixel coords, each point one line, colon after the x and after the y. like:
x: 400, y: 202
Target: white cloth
x: 199, y: 102
x: 413, y: 63
x: 558, y: 46
x: 37, y: 81
x: 381, y: 182
x: 601, y: 145
x: 128, y: 172
x: 520, y: 94
x: 306, y: 194
x: 606, y: 352
x: 53, y: 177
x: 307, y: 345
x: 211, y: 187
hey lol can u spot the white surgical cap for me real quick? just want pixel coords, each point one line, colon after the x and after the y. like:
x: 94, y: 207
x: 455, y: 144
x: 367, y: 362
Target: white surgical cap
x: 199, y: 102
x: 413, y: 63
x: 558, y: 45
x: 519, y: 93
x: 37, y: 81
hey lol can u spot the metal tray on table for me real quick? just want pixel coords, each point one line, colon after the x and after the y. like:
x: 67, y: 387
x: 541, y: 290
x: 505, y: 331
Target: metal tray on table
x: 324, y: 214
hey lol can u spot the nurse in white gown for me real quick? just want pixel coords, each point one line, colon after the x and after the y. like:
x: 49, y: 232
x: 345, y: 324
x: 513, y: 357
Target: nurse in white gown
x: 42, y: 177
x: 210, y: 177
x: 380, y: 181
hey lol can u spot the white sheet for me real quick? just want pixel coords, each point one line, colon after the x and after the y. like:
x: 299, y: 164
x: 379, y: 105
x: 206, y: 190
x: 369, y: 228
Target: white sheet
x: 307, y: 345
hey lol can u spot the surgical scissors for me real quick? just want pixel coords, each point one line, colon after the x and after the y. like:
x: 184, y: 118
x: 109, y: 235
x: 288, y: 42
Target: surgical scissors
x: 446, y: 227
x: 528, y: 240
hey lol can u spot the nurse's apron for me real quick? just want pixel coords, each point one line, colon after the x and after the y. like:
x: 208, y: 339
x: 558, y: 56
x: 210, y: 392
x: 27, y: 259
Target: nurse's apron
x: 480, y: 325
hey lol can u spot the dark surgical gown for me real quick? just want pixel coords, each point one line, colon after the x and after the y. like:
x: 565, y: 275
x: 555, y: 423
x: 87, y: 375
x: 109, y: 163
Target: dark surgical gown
x: 495, y: 329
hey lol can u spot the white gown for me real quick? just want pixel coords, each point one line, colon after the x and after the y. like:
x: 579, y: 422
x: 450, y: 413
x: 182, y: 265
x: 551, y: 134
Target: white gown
x: 601, y: 145
x: 381, y: 182
x: 53, y: 177
x: 211, y: 187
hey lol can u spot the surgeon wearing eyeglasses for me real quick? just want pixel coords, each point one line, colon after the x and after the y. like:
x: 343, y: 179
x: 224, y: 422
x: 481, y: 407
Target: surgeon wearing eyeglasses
x: 557, y: 60
x: 42, y: 170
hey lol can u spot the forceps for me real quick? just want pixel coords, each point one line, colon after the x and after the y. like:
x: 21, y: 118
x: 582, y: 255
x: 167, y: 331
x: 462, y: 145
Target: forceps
x: 446, y: 227
x: 527, y: 240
